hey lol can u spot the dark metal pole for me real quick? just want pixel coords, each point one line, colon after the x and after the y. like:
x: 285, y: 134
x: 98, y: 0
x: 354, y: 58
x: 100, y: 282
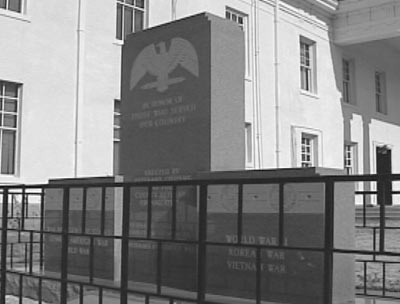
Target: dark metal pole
x: 258, y: 275
x: 42, y: 194
x: 149, y: 211
x: 364, y: 209
x: 4, y: 246
x: 382, y: 215
x: 281, y: 198
x: 159, y: 266
x: 240, y: 214
x: 23, y: 210
x: 84, y: 203
x: 202, y: 249
x: 173, y: 217
x: 64, y: 246
x: 125, y: 244
x: 103, y: 210
x: 329, y: 237
x: 91, y: 258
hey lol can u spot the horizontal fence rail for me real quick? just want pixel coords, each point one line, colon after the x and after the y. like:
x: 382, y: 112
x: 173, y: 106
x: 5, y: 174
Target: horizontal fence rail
x: 249, y: 240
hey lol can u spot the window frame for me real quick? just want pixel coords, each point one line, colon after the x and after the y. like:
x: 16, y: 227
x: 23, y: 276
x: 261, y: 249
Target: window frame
x: 244, y: 25
x: 350, y: 158
x: 308, y: 151
x: 308, y: 65
x: 116, y: 139
x: 15, y: 128
x: 11, y: 11
x: 121, y: 32
x: 380, y: 93
x: 348, y: 82
x: 298, y: 132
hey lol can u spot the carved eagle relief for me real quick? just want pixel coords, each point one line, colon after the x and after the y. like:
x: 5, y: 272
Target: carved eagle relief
x: 158, y: 62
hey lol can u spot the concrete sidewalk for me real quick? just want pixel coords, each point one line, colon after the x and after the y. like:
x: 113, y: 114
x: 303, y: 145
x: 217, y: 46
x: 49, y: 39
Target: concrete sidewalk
x: 93, y: 299
x: 376, y: 301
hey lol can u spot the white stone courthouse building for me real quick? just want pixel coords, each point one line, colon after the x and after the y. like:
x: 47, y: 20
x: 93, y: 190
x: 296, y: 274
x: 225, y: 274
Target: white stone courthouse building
x: 322, y: 82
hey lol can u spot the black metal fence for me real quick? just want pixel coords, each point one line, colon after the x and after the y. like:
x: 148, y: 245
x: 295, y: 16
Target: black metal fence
x: 379, y: 272
x: 202, y: 241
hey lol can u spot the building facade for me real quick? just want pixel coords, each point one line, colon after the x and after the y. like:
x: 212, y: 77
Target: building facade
x: 321, y: 86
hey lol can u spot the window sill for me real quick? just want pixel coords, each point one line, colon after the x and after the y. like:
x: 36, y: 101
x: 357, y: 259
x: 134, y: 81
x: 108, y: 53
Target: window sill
x: 14, y: 15
x: 9, y: 179
x: 309, y: 94
x: 381, y: 114
x: 350, y: 105
x: 249, y: 166
x: 118, y: 42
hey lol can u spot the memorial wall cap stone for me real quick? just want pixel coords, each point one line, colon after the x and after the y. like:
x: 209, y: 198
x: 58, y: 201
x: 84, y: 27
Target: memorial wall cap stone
x: 182, y: 99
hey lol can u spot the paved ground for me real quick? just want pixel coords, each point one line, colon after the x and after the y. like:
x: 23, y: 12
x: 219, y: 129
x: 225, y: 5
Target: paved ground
x: 375, y: 301
x: 15, y: 300
x: 92, y: 299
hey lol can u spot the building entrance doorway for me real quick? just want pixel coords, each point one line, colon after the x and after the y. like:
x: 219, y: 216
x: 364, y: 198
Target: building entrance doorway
x: 384, y: 166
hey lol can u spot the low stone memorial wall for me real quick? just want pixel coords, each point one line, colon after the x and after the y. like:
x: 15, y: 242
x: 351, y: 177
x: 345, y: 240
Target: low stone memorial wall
x: 97, y: 215
x: 286, y: 275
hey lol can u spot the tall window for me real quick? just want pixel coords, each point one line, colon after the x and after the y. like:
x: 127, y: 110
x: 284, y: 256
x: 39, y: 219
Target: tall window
x: 380, y: 96
x: 308, y: 150
x: 307, y: 145
x: 307, y: 65
x: 346, y: 81
x: 130, y: 17
x: 9, y: 103
x: 11, y: 5
x: 117, y: 135
x: 235, y: 16
x: 350, y: 158
x: 241, y: 19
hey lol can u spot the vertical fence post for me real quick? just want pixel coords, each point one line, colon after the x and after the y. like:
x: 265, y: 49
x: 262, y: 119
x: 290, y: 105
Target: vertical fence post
x: 258, y: 275
x: 281, y: 231
x: 4, y: 246
x: 64, y: 246
x: 84, y: 207
x: 159, y: 266
x: 365, y: 272
x: 149, y: 210
x: 103, y: 210
x: 329, y: 234
x: 125, y: 244
x: 30, y: 252
x: 202, y: 250
x: 240, y: 214
x: 91, y: 258
x: 42, y: 194
x: 374, y: 243
x: 364, y: 195
x: 24, y: 206
x: 382, y: 211
x: 173, y: 219
x: 383, y: 278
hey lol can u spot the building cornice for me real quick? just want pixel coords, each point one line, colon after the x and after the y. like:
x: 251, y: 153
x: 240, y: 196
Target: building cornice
x: 307, y: 11
x: 329, y: 6
x: 358, y: 21
x: 357, y: 5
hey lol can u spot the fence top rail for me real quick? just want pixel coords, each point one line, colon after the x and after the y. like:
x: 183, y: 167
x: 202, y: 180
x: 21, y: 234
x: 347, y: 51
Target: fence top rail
x: 374, y: 192
x: 208, y: 181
